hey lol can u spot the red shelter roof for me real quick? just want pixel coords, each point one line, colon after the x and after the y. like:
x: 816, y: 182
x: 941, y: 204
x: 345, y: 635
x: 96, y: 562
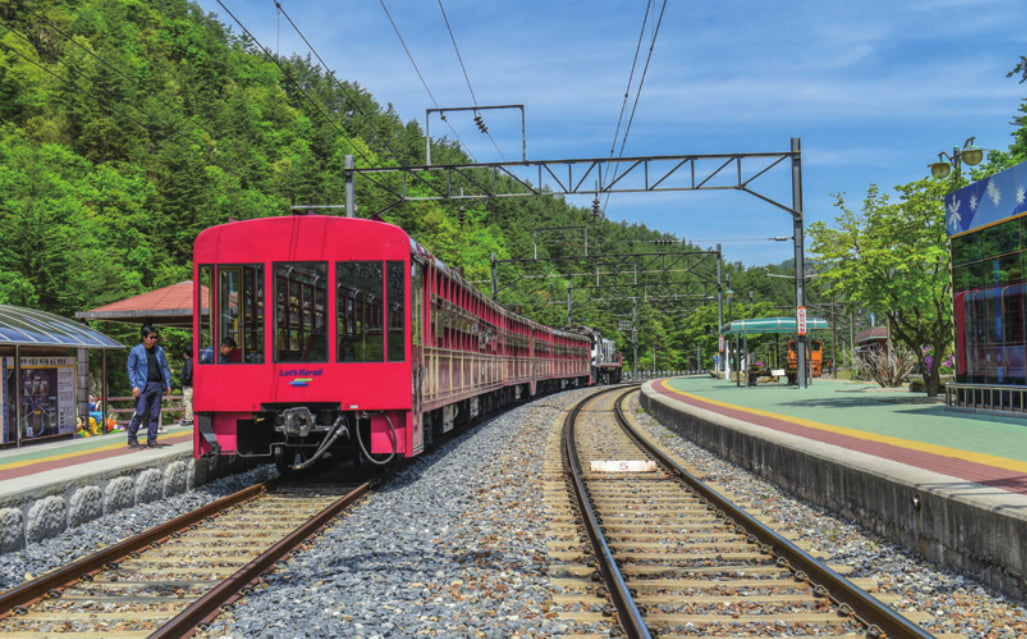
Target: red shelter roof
x: 168, y: 306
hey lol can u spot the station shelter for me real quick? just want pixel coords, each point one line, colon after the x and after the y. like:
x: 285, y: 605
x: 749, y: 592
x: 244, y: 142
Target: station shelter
x: 987, y: 228
x: 777, y: 366
x: 44, y: 359
x: 872, y: 342
x: 165, y: 307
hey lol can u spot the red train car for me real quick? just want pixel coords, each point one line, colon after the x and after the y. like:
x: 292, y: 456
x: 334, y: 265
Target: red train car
x: 344, y: 336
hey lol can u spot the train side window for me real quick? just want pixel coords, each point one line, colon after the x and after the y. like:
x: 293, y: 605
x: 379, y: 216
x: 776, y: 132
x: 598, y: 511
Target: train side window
x: 416, y: 304
x: 395, y: 291
x: 359, y: 290
x: 301, y: 308
x: 205, y: 343
x: 253, y: 314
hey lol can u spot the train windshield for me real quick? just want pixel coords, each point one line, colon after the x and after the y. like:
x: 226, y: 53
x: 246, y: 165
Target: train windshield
x: 371, y: 318
x: 301, y: 311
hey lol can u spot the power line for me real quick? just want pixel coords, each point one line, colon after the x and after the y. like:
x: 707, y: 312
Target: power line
x: 268, y: 55
x: 645, y: 72
x: 641, y: 81
x: 467, y: 78
x: 324, y: 65
x: 424, y: 82
x: 460, y: 59
x: 410, y: 56
x: 631, y: 77
x: 281, y: 10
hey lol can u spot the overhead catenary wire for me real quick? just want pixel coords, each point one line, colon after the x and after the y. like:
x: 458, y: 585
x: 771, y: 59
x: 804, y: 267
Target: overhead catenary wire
x: 330, y: 73
x: 645, y: 72
x: 641, y: 81
x: 452, y: 38
x: 467, y: 78
x: 424, y: 83
x: 273, y: 58
x: 631, y: 77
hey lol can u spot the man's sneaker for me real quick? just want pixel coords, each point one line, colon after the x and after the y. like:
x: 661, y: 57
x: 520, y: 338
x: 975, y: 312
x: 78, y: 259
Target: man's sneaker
x: 132, y: 443
x: 156, y: 445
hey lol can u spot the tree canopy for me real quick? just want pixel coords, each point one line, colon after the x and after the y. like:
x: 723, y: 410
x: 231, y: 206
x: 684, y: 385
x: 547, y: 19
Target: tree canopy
x: 127, y: 127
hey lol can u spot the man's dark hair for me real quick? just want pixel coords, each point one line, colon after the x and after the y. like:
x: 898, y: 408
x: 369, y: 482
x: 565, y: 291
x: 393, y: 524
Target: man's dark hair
x: 229, y: 342
x: 147, y: 329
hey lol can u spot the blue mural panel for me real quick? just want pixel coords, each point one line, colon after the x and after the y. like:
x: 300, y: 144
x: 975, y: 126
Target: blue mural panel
x: 988, y: 201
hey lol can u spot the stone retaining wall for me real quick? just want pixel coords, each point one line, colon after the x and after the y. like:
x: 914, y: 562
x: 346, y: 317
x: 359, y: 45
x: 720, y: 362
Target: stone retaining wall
x: 49, y: 510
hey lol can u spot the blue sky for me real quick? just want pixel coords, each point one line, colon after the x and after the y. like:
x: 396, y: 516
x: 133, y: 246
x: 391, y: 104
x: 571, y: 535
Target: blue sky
x: 874, y: 90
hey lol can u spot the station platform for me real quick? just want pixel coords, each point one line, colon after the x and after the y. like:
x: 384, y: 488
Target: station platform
x: 950, y: 486
x: 48, y: 487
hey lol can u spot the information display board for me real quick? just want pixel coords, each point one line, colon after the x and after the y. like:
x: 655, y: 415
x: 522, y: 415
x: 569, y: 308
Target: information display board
x: 47, y: 386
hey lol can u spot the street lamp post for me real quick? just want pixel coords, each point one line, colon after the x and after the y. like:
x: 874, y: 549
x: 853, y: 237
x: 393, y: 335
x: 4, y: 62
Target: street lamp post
x: 731, y: 353
x: 969, y: 154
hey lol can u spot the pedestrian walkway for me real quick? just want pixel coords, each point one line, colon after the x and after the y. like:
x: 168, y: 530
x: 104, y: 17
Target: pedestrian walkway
x: 904, y: 427
x: 31, y: 462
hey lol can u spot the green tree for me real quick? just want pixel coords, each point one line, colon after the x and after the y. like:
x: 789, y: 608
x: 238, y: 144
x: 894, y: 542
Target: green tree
x: 892, y: 258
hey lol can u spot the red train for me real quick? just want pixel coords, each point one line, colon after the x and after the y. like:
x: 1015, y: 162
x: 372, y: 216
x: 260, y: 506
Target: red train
x: 344, y: 336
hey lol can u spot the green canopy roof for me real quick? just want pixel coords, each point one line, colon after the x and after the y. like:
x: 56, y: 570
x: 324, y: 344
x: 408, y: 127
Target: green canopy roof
x: 771, y: 325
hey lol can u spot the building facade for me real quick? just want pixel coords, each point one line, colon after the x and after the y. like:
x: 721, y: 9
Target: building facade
x: 987, y: 227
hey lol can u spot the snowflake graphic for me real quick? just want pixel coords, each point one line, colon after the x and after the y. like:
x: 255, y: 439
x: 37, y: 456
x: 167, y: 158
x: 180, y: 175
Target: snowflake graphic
x: 993, y: 192
x: 955, y: 219
x: 973, y: 202
x: 1021, y: 195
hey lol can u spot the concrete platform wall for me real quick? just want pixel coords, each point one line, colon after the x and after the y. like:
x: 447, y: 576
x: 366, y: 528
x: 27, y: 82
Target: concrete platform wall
x: 969, y: 528
x: 46, y: 510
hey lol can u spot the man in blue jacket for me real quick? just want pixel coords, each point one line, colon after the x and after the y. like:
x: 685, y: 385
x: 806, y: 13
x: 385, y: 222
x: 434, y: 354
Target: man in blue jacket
x: 150, y: 376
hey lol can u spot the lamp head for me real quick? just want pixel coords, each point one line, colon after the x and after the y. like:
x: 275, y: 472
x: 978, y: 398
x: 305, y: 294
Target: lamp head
x: 940, y: 169
x: 972, y: 155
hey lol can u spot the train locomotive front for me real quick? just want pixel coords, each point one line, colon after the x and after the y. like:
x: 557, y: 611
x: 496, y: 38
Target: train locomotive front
x: 304, y: 341
x: 324, y: 336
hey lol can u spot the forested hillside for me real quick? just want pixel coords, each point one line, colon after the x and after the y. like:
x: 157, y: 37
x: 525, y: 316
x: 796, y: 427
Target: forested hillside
x: 127, y: 126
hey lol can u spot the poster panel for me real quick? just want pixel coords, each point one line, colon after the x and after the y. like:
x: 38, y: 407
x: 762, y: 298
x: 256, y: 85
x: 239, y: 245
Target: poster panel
x: 47, y: 387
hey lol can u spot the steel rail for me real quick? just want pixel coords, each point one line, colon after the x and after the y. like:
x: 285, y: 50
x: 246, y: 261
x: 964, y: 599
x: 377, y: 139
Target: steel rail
x: 209, y: 606
x: 880, y: 620
x: 38, y: 588
x: 628, y: 614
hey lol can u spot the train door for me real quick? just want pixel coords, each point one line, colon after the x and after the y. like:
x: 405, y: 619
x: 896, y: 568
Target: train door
x: 418, y: 325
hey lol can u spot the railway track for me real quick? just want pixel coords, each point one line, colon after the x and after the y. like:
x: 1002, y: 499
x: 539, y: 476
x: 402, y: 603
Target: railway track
x: 172, y: 578
x: 677, y: 559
